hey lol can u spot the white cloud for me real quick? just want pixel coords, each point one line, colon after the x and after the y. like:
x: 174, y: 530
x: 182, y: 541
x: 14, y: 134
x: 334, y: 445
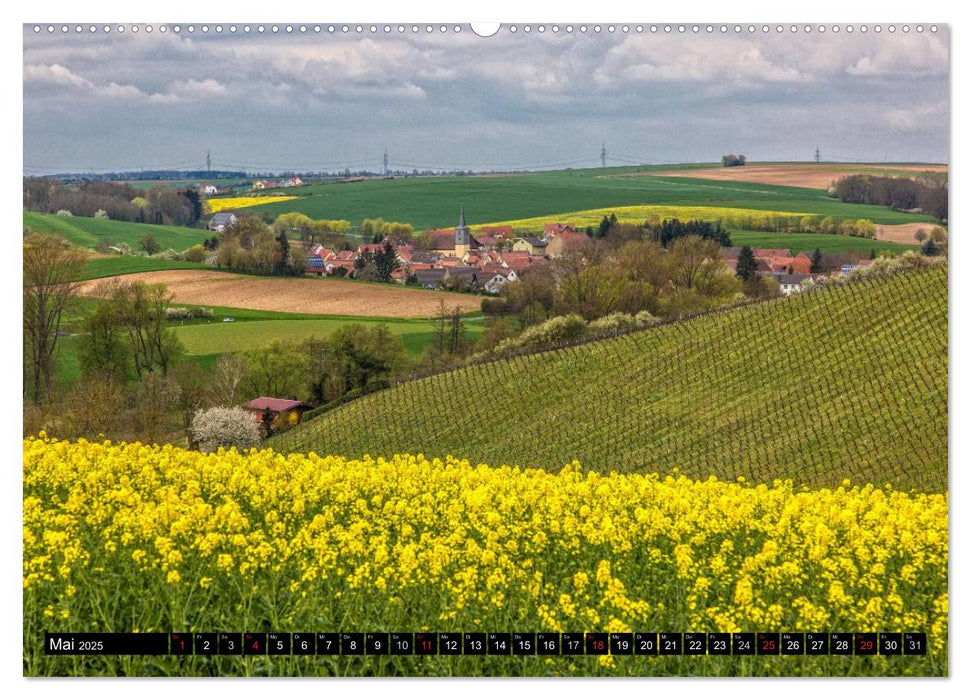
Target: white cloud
x: 712, y: 59
x: 509, y: 94
x: 198, y: 89
x: 57, y: 76
x: 54, y: 75
x: 916, y: 117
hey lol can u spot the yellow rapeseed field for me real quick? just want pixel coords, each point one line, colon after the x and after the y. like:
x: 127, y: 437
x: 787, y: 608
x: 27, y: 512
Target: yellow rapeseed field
x: 755, y: 219
x: 133, y: 537
x: 223, y: 203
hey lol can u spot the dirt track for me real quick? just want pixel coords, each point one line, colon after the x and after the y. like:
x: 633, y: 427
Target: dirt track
x: 297, y: 294
x: 815, y: 176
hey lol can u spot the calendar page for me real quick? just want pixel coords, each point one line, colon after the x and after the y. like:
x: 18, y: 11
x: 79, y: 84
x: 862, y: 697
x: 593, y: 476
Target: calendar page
x: 528, y: 349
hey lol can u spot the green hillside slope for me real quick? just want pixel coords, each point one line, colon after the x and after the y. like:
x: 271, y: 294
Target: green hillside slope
x: 87, y: 232
x: 433, y: 202
x: 844, y: 382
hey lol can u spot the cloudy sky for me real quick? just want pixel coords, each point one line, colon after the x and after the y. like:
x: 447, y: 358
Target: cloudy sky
x: 326, y: 101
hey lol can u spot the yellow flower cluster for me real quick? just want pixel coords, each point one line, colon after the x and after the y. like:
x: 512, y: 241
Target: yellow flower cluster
x: 223, y: 203
x: 160, y: 537
x: 638, y: 214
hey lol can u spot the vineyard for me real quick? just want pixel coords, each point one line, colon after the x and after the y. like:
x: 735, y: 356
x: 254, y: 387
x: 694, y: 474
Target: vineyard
x: 138, y: 538
x: 848, y: 381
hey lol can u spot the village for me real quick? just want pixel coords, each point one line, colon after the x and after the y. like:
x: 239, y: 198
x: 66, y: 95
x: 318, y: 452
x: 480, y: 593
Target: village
x: 459, y: 260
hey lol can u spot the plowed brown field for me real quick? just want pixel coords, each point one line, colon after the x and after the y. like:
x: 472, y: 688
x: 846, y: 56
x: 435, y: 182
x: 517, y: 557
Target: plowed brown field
x: 901, y: 233
x: 815, y: 176
x: 296, y: 294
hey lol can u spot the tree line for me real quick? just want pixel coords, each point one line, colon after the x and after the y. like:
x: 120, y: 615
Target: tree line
x: 928, y: 193
x: 157, y: 204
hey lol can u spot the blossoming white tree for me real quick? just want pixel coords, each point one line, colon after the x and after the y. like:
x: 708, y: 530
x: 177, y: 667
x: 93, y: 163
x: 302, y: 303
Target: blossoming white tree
x: 213, y: 428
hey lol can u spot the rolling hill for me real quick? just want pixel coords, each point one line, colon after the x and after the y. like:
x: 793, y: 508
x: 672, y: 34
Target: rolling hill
x: 433, y: 202
x: 848, y: 381
x: 86, y: 232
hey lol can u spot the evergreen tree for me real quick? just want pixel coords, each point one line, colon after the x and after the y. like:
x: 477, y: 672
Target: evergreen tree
x: 283, y: 266
x: 747, y: 264
x: 604, y: 227
x: 195, y: 201
x: 816, y: 265
x: 386, y: 261
x: 930, y: 248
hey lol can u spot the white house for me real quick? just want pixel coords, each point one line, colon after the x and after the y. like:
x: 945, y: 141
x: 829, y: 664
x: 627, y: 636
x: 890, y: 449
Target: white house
x: 494, y: 283
x: 210, y: 189
x: 220, y: 221
x: 790, y: 284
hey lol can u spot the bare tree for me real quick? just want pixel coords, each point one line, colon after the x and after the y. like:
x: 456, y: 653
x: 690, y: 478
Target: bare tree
x: 228, y: 374
x: 51, y: 271
x: 140, y: 309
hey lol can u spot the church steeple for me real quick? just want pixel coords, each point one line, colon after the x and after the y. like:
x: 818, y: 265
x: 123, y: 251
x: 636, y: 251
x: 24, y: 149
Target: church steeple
x: 463, y: 237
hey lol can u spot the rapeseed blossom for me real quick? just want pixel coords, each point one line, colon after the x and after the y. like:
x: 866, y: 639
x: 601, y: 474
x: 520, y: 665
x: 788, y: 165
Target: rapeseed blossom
x: 167, y: 538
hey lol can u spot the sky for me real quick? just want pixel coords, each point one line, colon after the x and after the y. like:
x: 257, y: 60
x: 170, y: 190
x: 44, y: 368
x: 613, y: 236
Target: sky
x: 310, y: 102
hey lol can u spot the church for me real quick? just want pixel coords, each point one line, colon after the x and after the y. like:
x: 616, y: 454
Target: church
x: 458, y: 242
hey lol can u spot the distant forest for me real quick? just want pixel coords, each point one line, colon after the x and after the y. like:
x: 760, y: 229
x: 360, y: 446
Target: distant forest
x: 158, y: 204
x: 928, y: 192
x: 150, y: 175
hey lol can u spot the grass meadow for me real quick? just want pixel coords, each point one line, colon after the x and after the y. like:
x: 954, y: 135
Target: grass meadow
x: 433, y: 202
x: 87, y: 232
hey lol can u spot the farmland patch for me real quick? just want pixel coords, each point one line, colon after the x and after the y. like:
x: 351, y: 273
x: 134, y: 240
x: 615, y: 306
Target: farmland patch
x: 300, y: 294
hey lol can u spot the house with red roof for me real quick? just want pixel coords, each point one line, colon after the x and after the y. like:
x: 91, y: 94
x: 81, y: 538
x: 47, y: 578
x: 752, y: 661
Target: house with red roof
x: 517, y: 259
x: 331, y: 265
x: 566, y: 242
x: 555, y: 229
x: 780, y: 264
x: 771, y: 252
x: 370, y: 248
x: 405, y: 253
x: 269, y: 410
x: 502, y: 233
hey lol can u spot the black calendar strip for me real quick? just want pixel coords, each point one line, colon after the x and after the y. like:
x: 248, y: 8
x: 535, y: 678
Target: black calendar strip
x: 489, y: 643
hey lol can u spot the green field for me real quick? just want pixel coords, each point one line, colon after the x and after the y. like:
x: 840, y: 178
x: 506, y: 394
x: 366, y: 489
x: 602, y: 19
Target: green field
x: 433, y: 202
x: 205, y: 340
x: 87, y: 232
x: 845, y: 382
x: 218, y: 337
x: 96, y: 268
x: 808, y: 242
